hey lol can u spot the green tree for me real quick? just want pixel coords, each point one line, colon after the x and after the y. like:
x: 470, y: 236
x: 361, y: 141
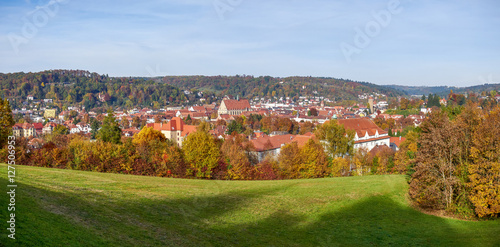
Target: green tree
x: 60, y: 130
x: 94, y: 126
x: 337, y: 140
x: 234, y: 126
x: 110, y: 130
x: 6, y: 121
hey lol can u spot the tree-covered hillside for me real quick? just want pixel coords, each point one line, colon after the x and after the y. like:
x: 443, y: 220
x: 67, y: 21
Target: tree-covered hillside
x: 75, y: 87
x: 445, y: 90
x: 78, y: 87
x: 267, y: 86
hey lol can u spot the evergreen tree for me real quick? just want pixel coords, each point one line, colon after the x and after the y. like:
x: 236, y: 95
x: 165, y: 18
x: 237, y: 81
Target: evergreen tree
x: 94, y: 125
x: 110, y: 130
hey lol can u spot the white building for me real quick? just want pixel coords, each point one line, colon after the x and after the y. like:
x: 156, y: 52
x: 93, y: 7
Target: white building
x: 367, y: 133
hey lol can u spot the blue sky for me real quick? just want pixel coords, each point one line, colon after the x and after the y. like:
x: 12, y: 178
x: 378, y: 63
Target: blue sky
x: 454, y: 43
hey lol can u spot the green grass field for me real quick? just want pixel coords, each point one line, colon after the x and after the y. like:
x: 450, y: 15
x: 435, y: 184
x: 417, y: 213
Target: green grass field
x: 75, y: 208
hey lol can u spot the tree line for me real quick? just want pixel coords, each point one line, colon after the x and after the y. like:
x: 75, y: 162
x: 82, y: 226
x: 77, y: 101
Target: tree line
x: 457, y: 164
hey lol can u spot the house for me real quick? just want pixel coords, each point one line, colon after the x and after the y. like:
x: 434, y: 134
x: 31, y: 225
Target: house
x: 73, y: 129
x: 130, y: 131
x: 395, y: 142
x: 23, y: 130
x: 36, y: 143
x: 48, y: 128
x: 367, y: 133
x: 38, y: 128
x: 271, y: 145
x: 234, y: 107
x: 219, y: 131
x: 175, y: 130
x: 50, y: 113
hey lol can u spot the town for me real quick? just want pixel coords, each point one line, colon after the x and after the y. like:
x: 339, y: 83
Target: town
x: 38, y: 120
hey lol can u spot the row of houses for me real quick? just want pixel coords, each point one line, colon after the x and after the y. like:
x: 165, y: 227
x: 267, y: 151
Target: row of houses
x: 29, y: 130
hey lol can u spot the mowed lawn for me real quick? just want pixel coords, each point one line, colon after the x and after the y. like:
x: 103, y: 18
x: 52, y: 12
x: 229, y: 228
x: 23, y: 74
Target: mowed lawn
x: 74, y: 208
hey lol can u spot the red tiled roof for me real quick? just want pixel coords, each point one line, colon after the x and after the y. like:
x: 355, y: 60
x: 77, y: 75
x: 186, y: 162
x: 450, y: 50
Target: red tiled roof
x: 23, y: 125
x: 38, y: 126
x: 188, y: 129
x: 361, y: 126
x: 226, y: 117
x: 232, y: 104
x: 372, y: 139
x: 276, y: 141
x: 175, y: 124
x: 50, y: 124
x: 199, y: 108
x: 397, y: 140
x: 379, y: 148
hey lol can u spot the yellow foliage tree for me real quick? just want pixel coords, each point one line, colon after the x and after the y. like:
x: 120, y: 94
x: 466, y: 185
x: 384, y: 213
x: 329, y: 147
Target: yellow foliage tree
x: 236, y: 152
x: 148, y: 134
x: 339, y: 167
x: 485, y: 168
x: 201, y: 153
x: 314, y: 163
x: 289, y: 160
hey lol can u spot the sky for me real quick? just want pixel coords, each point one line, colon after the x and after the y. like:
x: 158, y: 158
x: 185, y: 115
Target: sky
x: 404, y: 42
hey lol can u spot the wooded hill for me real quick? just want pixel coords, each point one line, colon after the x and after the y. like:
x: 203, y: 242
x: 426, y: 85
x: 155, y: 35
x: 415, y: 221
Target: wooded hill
x: 445, y: 90
x: 73, y: 87
x: 91, y: 90
x: 267, y: 86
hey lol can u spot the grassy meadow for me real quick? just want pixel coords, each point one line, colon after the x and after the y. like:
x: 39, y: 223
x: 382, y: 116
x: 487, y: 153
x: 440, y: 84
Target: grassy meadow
x: 75, y: 208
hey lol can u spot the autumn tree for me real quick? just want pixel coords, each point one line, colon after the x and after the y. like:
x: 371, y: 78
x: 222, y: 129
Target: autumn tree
x: 361, y: 161
x: 337, y: 140
x: 306, y: 127
x: 60, y: 130
x: 201, y: 153
x: 313, y: 161
x: 136, y: 122
x: 6, y: 121
x: 312, y: 112
x: 148, y: 134
x: 158, y: 119
x: 124, y: 123
x: 384, y: 160
x: 289, y: 160
x: 404, y: 104
x: 434, y: 182
x: 485, y: 169
x: 237, y: 153
x: 404, y: 158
